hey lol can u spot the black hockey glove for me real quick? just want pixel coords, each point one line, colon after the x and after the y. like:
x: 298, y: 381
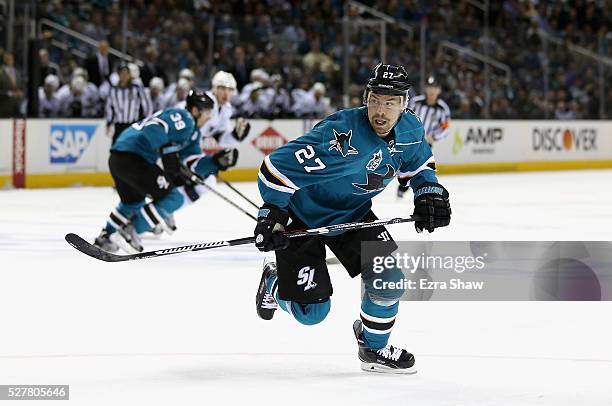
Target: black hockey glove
x: 271, y: 222
x: 431, y: 206
x: 226, y: 158
x: 174, y: 169
x: 241, y: 129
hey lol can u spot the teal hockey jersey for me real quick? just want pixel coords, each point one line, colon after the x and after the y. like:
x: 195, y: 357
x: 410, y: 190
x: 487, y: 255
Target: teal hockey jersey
x: 330, y: 175
x: 167, y: 127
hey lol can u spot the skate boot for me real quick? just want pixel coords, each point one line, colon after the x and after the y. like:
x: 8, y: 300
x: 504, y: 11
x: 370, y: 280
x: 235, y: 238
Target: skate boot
x: 391, y: 360
x: 103, y: 242
x: 264, y: 301
x: 127, y: 239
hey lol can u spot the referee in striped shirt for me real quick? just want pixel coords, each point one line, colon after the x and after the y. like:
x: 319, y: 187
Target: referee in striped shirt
x: 434, y: 114
x: 127, y: 103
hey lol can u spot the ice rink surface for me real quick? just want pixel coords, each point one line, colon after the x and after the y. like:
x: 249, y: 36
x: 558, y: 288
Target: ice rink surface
x: 182, y: 329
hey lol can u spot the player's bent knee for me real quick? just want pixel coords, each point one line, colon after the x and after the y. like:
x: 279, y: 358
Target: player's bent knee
x: 312, y: 313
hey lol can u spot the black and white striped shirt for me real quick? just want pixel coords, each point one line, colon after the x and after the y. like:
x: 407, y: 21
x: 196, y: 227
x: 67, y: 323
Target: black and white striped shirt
x: 127, y: 105
x: 435, y: 118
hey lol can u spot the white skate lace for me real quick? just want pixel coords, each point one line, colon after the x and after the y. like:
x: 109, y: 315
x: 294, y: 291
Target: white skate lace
x: 268, y: 302
x: 390, y: 352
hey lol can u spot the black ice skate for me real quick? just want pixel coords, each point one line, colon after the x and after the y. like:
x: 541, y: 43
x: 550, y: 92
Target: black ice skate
x: 391, y: 360
x: 127, y: 239
x: 264, y: 301
x: 103, y: 241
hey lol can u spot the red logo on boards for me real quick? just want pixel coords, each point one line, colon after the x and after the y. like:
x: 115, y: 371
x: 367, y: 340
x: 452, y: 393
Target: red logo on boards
x: 269, y: 140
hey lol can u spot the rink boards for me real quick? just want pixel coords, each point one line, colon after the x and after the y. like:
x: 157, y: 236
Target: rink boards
x: 64, y: 152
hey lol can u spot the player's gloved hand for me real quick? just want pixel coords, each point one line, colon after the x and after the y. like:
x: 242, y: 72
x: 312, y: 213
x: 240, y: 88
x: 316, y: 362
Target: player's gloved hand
x: 174, y: 169
x: 226, y: 158
x: 401, y: 190
x: 271, y: 223
x: 431, y: 206
x: 241, y: 130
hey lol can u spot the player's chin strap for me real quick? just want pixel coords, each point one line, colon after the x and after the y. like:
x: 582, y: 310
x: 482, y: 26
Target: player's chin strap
x: 95, y: 252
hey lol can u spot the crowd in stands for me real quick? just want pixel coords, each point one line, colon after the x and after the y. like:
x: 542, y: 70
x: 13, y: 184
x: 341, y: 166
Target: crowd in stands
x: 287, y: 55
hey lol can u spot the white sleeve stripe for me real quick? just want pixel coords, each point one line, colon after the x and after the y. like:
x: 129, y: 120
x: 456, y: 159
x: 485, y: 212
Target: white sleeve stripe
x: 275, y: 186
x: 279, y: 175
x: 419, y: 169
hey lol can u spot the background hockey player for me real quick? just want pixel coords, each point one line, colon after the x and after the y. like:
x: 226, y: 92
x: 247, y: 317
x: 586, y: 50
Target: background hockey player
x: 329, y: 176
x: 172, y: 135
x: 434, y: 114
x: 220, y: 126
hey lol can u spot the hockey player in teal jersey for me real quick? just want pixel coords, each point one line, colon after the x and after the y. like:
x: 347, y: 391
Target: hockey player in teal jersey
x: 173, y: 136
x: 329, y: 176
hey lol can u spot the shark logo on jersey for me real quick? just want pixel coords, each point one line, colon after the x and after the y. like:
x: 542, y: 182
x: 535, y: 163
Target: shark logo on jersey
x: 342, y: 143
x: 376, y: 181
x: 374, y: 163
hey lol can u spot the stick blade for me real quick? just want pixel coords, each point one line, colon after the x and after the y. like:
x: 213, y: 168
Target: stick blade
x: 95, y: 252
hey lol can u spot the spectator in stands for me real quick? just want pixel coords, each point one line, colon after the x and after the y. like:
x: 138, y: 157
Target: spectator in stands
x: 563, y: 112
x: 151, y: 67
x: 48, y: 100
x: 259, y: 79
x: 46, y: 67
x: 156, y: 93
x: 79, y: 103
x: 311, y: 103
x: 171, y: 91
x: 181, y: 89
x: 11, y: 92
x: 100, y: 65
x: 135, y: 74
x: 90, y: 92
x: 240, y: 68
x: 316, y: 60
x: 255, y: 105
x: 276, y: 98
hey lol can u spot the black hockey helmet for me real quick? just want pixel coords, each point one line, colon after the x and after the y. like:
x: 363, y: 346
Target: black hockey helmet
x: 198, y: 98
x: 432, y: 81
x: 388, y: 79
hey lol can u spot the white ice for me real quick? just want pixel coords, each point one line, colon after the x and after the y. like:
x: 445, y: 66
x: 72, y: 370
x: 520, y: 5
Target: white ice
x: 182, y: 329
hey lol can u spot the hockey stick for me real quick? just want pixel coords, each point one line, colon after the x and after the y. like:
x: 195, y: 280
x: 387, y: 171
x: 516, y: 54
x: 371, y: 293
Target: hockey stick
x: 93, y: 251
x: 229, y: 185
x: 199, y: 181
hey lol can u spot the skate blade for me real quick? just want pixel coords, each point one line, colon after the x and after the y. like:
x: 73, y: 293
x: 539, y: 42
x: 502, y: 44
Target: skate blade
x: 381, y: 369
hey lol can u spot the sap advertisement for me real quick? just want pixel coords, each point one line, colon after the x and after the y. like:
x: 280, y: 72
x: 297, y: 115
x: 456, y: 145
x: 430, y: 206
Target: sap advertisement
x: 71, y: 146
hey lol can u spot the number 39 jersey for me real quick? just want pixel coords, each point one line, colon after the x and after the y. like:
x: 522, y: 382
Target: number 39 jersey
x: 330, y: 175
x: 168, y: 126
